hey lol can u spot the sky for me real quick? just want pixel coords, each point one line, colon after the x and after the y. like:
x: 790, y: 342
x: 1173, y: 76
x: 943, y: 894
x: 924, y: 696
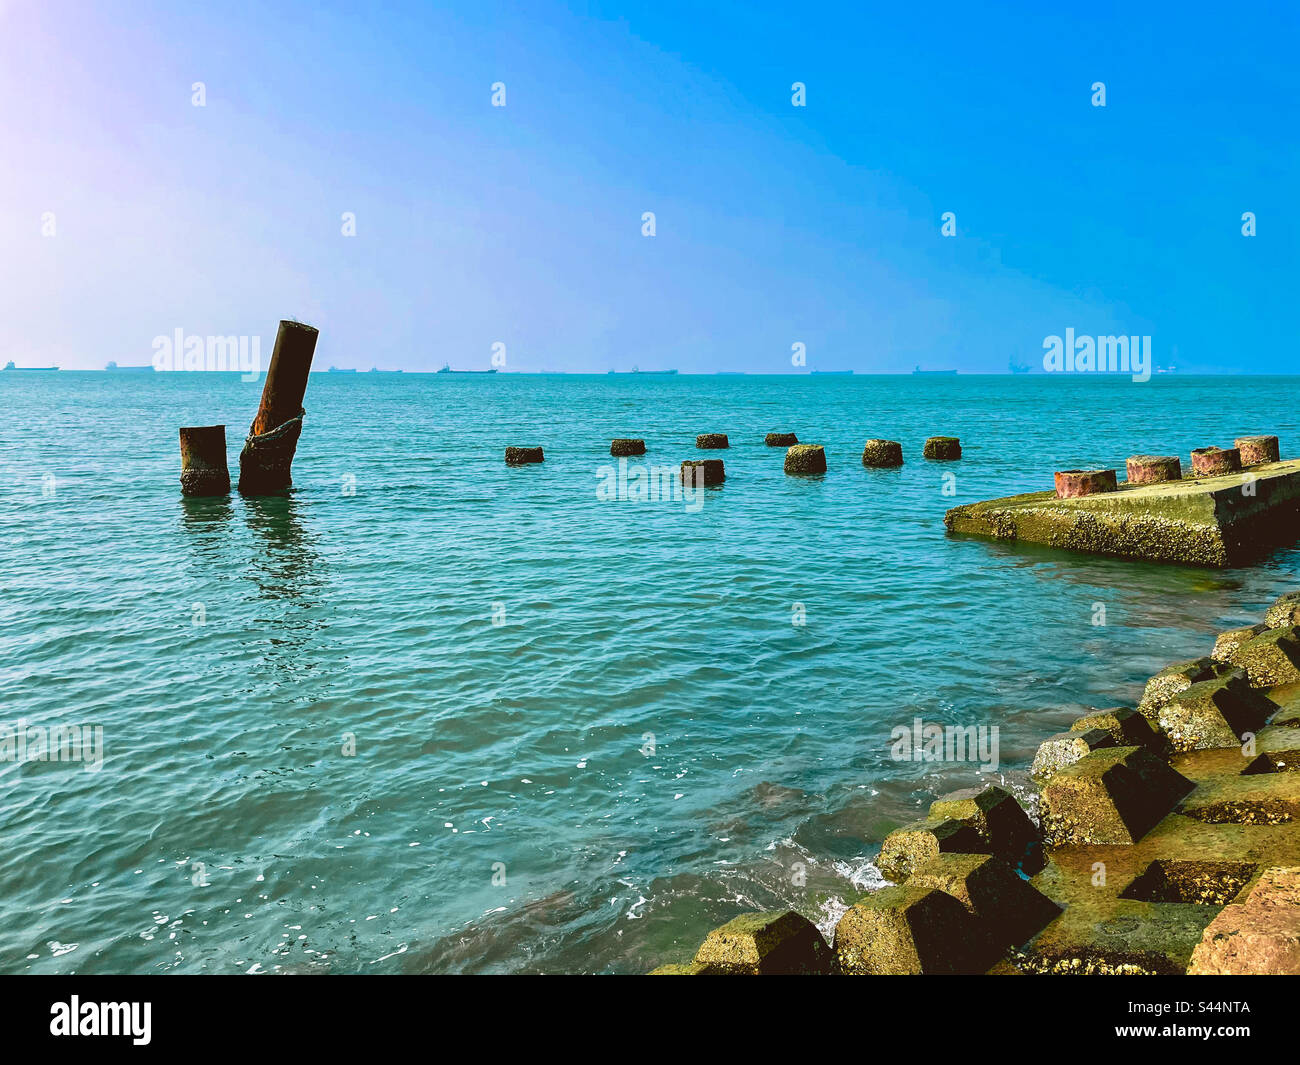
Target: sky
x: 127, y: 212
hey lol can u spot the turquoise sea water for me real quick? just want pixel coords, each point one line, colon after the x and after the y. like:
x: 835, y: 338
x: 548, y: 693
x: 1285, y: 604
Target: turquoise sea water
x: 605, y: 704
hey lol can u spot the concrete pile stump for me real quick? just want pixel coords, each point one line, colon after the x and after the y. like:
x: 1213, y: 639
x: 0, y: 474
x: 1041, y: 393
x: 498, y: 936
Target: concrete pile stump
x: 623, y: 447
x: 1213, y: 461
x: 1153, y: 469
x: 203, y: 461
x: 908, y: 931
x: 882, y: 454
x: 1115, y: 795
x: 267, y: 457
x: 711, y: 441
x: 1257, y: 934
x: 764, y: 944
x: 703, y: 471
x: 523, y: 456
x: 803, y: 459
x: 1214, y: 714
x: 1071, y: 484
x: 942, y: 448
x: 907, y: 848
x: 1257, y: 450
x: 1066, y: 748
x: 780, y: 439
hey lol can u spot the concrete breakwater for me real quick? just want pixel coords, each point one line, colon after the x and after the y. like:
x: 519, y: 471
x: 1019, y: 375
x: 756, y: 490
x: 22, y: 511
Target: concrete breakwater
x: 1165, y: 839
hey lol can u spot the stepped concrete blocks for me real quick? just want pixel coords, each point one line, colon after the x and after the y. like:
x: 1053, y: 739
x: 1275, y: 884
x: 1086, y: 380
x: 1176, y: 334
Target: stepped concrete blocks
x: 764, y: 944
x: 1178, y: 678
x: 1009, y: 909
x: 908, y: 930
x: 1272, y: 657
x: 1066, y: 748
x: 1226, y: 643
x: 1114, y: 795
x: 1125, y: 726
x: 1003, y: 827
x: 913, y: 845
x: 1284, y: 612
x: 1214, y: 713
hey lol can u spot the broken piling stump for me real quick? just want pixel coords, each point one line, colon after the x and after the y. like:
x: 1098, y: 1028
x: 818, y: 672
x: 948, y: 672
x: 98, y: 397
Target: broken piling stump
x: 1153, y: 469
x: 203, y: 461
x: 1215, y: 461
x: 623, y: 447
x: 267, y: 455
x: 805, y: 459
x: 522, y: 456
x: 703, y: 471
x: 882, y: 454
x: 711, y: 441
x: 1256, y: 450
x: 942, y: 448
x: 1070, y: 484
x: 780, y: 439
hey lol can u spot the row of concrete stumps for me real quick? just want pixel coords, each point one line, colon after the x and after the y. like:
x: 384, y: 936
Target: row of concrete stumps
x: 1167, y: 841
x: 267, y: 454
x: 799, y: 458
x: 1246, y: 451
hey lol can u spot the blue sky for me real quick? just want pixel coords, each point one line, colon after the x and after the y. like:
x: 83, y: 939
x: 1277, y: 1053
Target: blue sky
x: 774, y: 224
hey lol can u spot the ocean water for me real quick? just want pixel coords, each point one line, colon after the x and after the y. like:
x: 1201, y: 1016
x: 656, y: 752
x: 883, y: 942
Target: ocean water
x: 427, y: 713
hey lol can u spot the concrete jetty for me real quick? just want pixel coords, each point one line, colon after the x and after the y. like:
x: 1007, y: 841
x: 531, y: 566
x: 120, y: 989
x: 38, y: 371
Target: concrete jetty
x: 1227, y: 519
x: 1150, y: 856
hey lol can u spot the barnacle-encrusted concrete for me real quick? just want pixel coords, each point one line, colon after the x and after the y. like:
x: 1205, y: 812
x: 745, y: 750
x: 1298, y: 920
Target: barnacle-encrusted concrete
x: 711, y: 441
x: 519, y: 456
x: 805, y: 458
x: 624, y: 446
x: 1216, y: 521
x: 1272, y: 657
x: 1226, y: 643
x: 942, y: 448
x: 780, y: 439
x: 882, y: 454
x: 762, y: 944
x: 1066, y: 748
x: 1125, y: 726
x: 711, y: 470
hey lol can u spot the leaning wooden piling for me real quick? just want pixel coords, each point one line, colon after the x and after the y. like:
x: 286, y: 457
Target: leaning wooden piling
x: 265, y: 461
x: 203, y: 461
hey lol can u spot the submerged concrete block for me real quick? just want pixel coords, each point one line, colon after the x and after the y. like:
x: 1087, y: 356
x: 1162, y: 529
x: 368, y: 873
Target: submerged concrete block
x: 942, y: 448
x: 1228, y: 642
x: 1214, y: 713
x: 1002, y: 826
x: 1066, y: 748
x: 1115, y: 795
x: 1258, y: 934
x: 1285, y: 612
x: 1178, y: 678
x: 1070, y: 484
x: 1256, y: 450
x: 805, y: 458
x: 1272, y: 657
x: 624, y: 446
x: 711, y: 441
x: 520, y: 456
x: 882, y: 454
x: 780, y: 439
x: 777, y: 943
x: 1125, y: 725
x: 1153, y: 469
x: 204, y: 471
x: 913, y: 845
x: 908, y: 931
x: 711, y: 470
x: 1205, y: 522
x: 1010, y: 910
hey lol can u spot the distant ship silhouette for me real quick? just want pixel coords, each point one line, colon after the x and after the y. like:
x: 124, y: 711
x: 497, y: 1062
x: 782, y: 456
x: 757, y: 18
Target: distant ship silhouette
x: 446, y: 368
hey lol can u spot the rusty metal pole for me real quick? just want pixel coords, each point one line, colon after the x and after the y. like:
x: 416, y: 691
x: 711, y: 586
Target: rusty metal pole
x: 203, y: 461
x: 264, y: 463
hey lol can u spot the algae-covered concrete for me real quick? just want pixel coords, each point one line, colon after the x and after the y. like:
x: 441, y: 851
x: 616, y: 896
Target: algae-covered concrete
x: 1217, y: 521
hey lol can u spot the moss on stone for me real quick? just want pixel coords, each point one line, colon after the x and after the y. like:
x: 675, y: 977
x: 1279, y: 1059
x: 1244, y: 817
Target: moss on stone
x: 1115, y: 795
x: 1002, y: 826
x: 942, y: 448
x: 764, y: 944
x: 780, y: 439
x: 908, y: 930
x: 1125, y: 726
x: 1177, y: 678
x: 1273, y: 657
x: 913, y: 845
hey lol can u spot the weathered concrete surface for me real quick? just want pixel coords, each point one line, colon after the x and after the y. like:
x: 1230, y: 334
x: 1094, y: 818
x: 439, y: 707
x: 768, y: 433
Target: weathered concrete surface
x: 1195, y: 521
x: 780, y: 439
x: 764, y: 944
x: 1114, y: 795
x: 625, y: 446
x: 521, y: 456
x: 1003, y: 827
x: 1066, y: 748
x: 942, y: 448
x: 1178, y: 678
x: 1010, y: 911
x: 1272, y: 657
x: 1259, y: 934
x: 1284, y: 612
x: 1227, y: 642
x: 711, y: 441
x: 711, y: 470
x: 908, y: 930
x: 882, y: 454
x: 805, y: 459
x: 1125, y: 726
x: 907, y: 848
x: 1214, y: 713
